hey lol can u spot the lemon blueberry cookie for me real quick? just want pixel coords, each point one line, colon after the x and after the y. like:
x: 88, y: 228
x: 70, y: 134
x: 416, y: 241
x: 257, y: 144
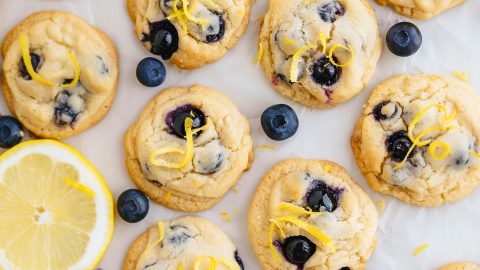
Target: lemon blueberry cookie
x: 319, y: 52
x: 461, y: 266
x: 183, y: 243
x: 417, y: 139
x: 309, y: 214
x: 60, y: 74
x: 189, y: 33
x: 188, y: 148
x: 420, y: 9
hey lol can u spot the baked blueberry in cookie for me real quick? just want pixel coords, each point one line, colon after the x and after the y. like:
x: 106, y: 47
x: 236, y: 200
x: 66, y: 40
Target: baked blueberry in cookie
x: 183, y: 243
x: 319, y: 53
x: 188, y: 148
x: 58, y: 85
x: 420, y: 9
x: 189, y: 33
x: 430, y: 152
x: 309, y: 214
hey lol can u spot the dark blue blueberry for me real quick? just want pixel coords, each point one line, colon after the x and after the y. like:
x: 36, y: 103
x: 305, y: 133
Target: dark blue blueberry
x: 345, y: 268
x: 398, y: 145
x: 214, y: 37
x: 179, y: 238
x: 321, y: 197
x: 163, y: 38
x: 151, y: 72
x: 298, y: 249
x: 35, y: 60
x: 11, y: 131
x: 324, y: 72
x: 404, y: 39
x: 176, y: 120
x: 64, y: 114
x: 331, y: 11
x: 132, y: 205
x: 279, y: 122
x: 238, y: 260
x: 377, y: 111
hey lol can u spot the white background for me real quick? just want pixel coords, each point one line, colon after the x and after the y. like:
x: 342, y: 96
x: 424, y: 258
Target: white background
x: 450, y: 42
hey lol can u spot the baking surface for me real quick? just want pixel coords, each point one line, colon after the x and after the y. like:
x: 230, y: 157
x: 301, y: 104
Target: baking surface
x: 450, y: 42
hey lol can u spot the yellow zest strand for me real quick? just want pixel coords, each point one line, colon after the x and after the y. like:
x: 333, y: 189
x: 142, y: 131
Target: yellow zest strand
x: 475, y: 154
x: 259, y: 55
x: 167, y: 196
x: 235, y: 189
x: 461, y: 75
x: 197, y: 183
x: 27, y: 60
x: 213, y: 5
x: 432, y: 149
x: 323, y: 42
x: 296, y: 60
x: 420, y: 249
x: 278, y: 227
x: 381, y: 206
x: 288, y: 41
x: 202, y: 22
x: 266, y: 147
x: 224, y: 213
x: 337, y: 46
x: 296, y: 209
x: 227, y: 218
x: 79, y: 186
x: 180, y: 266
x: 213, y: 263
x: 273, y: 250
x: 328, y: 168
x: 161, y: 235
x: 309, y: 228
x: 178, y: 14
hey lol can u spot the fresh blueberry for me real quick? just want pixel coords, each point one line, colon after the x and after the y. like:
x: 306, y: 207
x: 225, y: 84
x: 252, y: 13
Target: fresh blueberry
x: 176, y: 119
x: 324, y: 72
x: 132, y: 205
x: 398, y: 145
x: 322, y: 199
x: 239, y: 260
x: 404, y: 39
x: 298, y: 249
x: 330, y: 12
x: 279, y: 122
x: 163, y: 38
x: 11, y: 131
x: 35, y: 60
x: 216, y: 33
x: 379, y: 115
x: 151, y: 72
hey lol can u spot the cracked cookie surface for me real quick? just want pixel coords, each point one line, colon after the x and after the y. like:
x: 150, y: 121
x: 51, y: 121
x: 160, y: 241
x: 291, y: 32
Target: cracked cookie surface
x: 440, y: 114
x: 294, y: 58
x: 200, y: 33
x: 420, y: 9
x: 221, y: 152
x: 183, y: 242
x: 461, y: 266
x: 51, y: 111
x: 312, y: 193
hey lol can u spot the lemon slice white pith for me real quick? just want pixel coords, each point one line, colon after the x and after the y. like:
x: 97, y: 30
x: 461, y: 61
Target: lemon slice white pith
x: 56, y: 211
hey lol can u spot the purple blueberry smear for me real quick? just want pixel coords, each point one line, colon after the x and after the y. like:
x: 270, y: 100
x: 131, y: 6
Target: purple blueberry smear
x: 298, y: 249
x: 330, y: 12
x: 320, y: 197
x: 35, y: 60
x: 238, y: 260
x: 323, y: 72
x: 215, y: 34
x: 398, y: 145
x: 378, y: 114
x: 163, y: 38
x: 176, y: 120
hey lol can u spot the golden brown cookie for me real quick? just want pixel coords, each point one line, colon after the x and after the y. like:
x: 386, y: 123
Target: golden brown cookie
x: 461, y: 266
x: 53, y: 103
x: 420, y: 9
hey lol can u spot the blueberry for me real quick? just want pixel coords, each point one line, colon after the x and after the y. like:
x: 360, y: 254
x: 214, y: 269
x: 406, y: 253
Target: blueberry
x: 322, y: 199
x: 324, y: 72
x: 151, y: 72
x: 398, y: 145
x: 330, y: 12
x: 279, y: 122
x: 298, y: 249
x: 35, y: 60
x: 64, y: 112
x: 404, y: 39
x: 163, y: 38
x: 11, y: 131
x: 176, y: 119
x: 345, y: 268
x: 214, y: 37
x: 379, y: 115
x: 239, y: 260
x: 132, y: 205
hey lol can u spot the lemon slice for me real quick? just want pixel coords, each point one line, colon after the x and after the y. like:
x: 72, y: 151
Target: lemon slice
x: 56, y: 211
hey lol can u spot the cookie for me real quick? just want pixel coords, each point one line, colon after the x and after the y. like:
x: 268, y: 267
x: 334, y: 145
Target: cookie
x: 72, y: 78
x: 420, y: 9
x: 189, y: 33
x: 319, y: 53
x: 188, y: 166
x: 309, y: 214
x: 417, y: 139
x: 183, y: 243
x: 461, y: 266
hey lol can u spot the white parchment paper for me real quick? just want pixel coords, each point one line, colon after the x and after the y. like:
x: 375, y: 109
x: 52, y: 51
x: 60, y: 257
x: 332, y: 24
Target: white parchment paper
x: 450, y: 42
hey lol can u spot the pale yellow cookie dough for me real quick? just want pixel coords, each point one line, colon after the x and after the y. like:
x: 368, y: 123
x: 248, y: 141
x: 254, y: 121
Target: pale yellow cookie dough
x: 420, y: 9
x: 461, y: 266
